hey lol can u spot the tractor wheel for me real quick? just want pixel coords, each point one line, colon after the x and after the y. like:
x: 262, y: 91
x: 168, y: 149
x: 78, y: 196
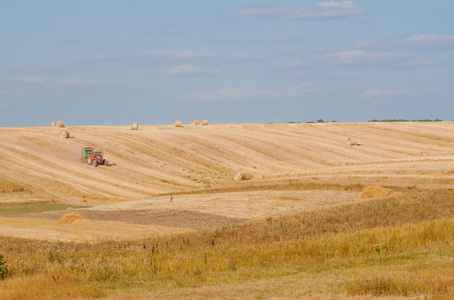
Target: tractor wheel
x: 105, y: 162
x: 95, y: 163
x: 89, y: 161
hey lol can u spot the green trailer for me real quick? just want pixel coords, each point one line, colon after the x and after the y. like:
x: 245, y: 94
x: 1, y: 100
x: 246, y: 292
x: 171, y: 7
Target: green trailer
x: 86, y: 152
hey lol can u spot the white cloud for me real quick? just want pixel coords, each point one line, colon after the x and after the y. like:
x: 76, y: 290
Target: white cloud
x: 179, y: 54
x: 357, y: 56
x: 187, y: 69
x: 430, y: 41
x: 387, y: 93
x: 74, y: 81
x: 39, y: 80
x: 304, y: 85
x: 329, y: 9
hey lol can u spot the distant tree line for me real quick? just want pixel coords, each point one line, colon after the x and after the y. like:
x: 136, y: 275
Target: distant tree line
x: 403, y: 120
x: 375, y: 120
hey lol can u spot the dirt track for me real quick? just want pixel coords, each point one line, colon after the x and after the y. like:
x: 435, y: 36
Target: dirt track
x: 158, y: 160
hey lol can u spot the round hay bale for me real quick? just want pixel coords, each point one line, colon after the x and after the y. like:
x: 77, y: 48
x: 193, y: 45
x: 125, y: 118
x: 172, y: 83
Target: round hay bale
x: 376, y: 192
x: 61, y: 124
x: 177, y: 123
x: 352, y: 141
x: 64, y: 134
x: 195, y: 122
x: 134, y: 126
x: 203, y: 122
x: 53, y: 124
x: 240, y: 176
x: 72, y: 218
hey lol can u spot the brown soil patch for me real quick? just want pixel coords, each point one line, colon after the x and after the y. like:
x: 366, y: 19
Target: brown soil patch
x: 170, y: 218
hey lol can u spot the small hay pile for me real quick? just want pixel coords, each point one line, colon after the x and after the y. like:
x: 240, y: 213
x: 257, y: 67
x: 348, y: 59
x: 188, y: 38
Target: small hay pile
x: 64, y: 134
x: 53, y: 124
x: 376, y: 192
x: 240, y: 176
x: 203, y: 122
x: 61, y: 124
x: 195, y: 122
x: 134, y: 126
x: 72, y: 218
x: 177, y: 123
x: 352, y: 141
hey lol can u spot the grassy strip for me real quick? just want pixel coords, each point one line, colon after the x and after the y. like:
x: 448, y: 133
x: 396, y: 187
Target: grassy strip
x: 284, y: 185
x: 11, y: 209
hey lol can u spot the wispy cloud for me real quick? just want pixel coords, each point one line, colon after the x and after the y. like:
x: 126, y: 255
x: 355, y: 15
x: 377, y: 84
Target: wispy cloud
x: 188, y: 69
x: 430, y: 41
x: 387, y: 93
x: 330, y: 9
x: 178, y: 54
x: 74, y: 81
x: 38, y: 80
x: 358, y: 56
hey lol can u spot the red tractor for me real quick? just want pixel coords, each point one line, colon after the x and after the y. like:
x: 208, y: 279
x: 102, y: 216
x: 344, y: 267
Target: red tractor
x: 93, y: 157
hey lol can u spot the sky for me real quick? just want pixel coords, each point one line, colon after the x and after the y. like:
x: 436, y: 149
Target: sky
x: 113, y: 62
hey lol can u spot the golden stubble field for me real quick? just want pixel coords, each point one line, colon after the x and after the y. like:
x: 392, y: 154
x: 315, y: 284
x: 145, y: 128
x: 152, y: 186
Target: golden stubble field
x: 130, y: 197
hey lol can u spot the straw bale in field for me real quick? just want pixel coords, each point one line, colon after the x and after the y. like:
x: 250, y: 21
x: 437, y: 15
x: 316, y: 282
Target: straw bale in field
x: 203, y: 122
x: 177, y: 123
x: 134, y: 126
x: 64, y: 134
x: 195, y: 122
x: 61, y: 124
x: 72, y: 218
x: 240, y: 176
x: 53, y: 124
x: 352, y: 141
x: 376, y: 192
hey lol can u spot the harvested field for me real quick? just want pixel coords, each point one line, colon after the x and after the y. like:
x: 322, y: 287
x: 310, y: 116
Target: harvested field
x: 292, y: 167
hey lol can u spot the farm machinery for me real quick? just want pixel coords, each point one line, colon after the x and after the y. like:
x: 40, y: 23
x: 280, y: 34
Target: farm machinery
x: 93, y: 157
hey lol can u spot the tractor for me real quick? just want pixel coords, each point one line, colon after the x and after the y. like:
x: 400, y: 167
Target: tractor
x: 93, y: 157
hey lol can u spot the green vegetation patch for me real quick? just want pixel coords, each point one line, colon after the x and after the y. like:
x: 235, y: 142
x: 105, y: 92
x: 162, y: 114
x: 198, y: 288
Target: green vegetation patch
x: 11, y: 209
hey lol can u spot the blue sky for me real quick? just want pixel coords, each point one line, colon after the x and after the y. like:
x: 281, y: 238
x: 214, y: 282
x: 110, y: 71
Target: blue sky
x: 152, y: 62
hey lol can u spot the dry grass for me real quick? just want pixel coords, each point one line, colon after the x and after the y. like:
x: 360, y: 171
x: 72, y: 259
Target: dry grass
x: 47, y: 287
x: 399, y: 246
x: 376, y: 192
x: 9, y: 187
